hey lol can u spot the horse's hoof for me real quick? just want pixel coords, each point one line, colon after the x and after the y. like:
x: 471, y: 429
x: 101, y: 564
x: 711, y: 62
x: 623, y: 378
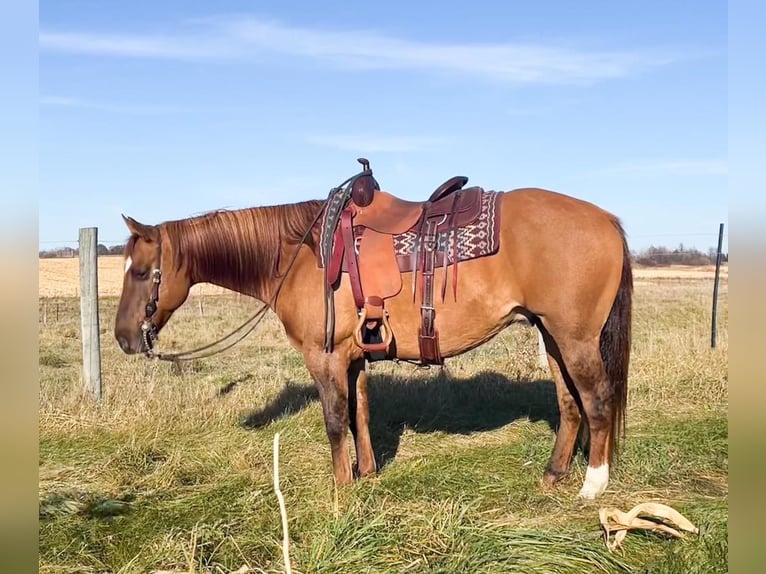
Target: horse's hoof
x: 595, y: 483
x: 364, y: 473
x: 551, y: 477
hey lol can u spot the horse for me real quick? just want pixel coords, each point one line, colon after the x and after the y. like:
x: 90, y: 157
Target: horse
x: 562, y: 265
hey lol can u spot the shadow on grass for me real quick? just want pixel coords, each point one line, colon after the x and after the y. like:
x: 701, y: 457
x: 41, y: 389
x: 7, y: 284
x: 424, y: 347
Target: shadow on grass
x: 483, y: 402
x: 292, y: 398
x: 88, y: 505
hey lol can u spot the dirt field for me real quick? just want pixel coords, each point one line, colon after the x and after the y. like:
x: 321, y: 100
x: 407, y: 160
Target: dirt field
x: 61, y: 277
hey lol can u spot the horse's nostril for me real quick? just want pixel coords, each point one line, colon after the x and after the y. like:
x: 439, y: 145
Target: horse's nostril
x: 124, y: 344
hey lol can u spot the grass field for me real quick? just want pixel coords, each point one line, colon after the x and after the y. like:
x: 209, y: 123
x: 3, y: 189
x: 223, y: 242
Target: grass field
x: 172, y: 471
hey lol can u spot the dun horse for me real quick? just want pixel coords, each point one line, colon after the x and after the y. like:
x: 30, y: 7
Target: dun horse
x: 558, y: 262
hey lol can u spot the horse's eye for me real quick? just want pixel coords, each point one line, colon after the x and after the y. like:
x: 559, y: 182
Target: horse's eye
x: 140, y: 275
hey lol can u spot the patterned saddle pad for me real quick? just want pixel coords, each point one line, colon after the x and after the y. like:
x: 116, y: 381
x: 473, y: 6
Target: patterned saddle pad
x: 474, y: 240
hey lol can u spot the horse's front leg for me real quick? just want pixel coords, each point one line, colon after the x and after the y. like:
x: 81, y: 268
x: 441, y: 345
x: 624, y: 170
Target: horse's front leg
x: 330, y: 373
x: 359, y: 417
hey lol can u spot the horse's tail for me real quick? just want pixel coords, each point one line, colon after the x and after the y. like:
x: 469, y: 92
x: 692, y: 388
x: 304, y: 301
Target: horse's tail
x: 615, y: 346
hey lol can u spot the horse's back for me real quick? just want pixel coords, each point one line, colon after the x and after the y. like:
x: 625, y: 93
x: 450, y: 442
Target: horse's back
x: 538, y: 207
x: 561, y: 248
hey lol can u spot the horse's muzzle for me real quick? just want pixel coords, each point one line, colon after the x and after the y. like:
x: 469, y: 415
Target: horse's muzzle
x: 130, y: 345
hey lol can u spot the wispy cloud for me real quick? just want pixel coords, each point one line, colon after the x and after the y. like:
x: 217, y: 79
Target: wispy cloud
x: 136, y: 46
x: 369, y: 143
x: 139, y: 109
x: 60, y: 101
x: 671, y: 167
x: 248, y: 37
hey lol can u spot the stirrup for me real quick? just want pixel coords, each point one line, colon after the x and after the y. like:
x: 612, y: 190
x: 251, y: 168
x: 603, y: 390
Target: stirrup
x: 373, y: 313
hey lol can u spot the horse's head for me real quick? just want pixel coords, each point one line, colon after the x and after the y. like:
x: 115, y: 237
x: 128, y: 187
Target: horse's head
x: 152, y: 288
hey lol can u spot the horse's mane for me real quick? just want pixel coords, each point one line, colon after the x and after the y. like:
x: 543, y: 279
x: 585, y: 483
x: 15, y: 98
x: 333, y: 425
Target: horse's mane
x: 240, y: 247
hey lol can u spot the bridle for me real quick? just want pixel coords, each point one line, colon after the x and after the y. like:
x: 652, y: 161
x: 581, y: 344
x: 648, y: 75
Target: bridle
x: 149, y: 329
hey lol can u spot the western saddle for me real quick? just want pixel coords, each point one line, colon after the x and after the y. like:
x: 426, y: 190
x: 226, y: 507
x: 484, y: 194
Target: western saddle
x: 361, y: 222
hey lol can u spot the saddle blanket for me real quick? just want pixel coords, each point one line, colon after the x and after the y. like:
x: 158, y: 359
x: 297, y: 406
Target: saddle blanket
x: 476, y: 239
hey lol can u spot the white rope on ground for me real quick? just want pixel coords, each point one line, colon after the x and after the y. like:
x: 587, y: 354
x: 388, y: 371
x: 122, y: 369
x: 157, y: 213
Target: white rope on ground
x: 282, y: 511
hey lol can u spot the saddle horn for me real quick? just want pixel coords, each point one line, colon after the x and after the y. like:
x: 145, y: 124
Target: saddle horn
x: 364, y: 186
x: 365, y: 163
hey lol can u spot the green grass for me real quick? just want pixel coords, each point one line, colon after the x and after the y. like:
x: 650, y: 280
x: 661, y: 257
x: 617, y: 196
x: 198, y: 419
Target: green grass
x: 173, y: 470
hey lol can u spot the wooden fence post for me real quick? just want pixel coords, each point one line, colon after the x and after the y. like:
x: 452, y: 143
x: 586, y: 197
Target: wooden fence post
x: 89, y: 327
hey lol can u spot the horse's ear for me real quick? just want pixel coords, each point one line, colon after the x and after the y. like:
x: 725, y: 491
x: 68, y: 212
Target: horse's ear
x: 147, y: 232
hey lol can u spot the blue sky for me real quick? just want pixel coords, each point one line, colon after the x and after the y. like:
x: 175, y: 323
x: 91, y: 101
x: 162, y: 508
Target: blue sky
x: 162, y: 110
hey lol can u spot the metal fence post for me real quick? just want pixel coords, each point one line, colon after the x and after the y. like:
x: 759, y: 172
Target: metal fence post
x: 714, y: 320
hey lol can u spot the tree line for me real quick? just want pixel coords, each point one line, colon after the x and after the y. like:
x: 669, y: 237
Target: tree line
x: 661, y: 256
x: 101, y: 249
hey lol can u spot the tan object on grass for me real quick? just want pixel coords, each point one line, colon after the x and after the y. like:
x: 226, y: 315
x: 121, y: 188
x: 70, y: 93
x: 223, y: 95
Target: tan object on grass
x: 614, y: 520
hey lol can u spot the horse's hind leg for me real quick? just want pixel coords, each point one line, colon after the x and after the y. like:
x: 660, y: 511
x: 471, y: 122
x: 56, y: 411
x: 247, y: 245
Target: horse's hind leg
x: 359, y: 418
x: 584, y: 365
x: 569, y: 416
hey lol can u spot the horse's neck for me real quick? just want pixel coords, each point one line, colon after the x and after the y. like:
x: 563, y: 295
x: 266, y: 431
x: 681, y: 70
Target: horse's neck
x: 228, y: 279
x: 260, y: 293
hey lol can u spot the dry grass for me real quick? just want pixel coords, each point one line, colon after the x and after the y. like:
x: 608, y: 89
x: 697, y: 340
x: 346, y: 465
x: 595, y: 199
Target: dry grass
x: 684, y: 272
x: 172, y: 471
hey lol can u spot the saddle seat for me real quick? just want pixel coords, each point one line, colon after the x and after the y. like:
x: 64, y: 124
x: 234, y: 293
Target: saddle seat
x: 386, y: 213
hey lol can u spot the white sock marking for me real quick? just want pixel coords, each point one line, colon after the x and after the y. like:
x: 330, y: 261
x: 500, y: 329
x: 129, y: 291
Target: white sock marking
x: 595, y: 483
x: 128, y: 263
